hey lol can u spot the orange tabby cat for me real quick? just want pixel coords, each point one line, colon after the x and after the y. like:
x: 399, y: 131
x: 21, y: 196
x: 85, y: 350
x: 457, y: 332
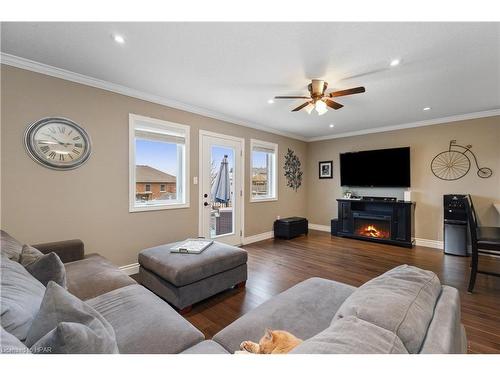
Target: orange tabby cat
x: 273, y: 342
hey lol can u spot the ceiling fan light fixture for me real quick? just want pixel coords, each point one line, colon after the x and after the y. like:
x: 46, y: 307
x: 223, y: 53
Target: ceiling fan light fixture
x: 321, y: 107
x: 322, y: 112
x: 320, y: 100
x: 318, y: 86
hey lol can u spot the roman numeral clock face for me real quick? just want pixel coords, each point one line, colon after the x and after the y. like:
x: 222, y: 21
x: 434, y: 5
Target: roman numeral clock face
x: 57, y: 143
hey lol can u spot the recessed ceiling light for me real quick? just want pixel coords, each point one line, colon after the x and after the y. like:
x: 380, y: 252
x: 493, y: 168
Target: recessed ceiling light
x: 270, y: 101
x: 427, y: 108
x: 119, y: 39
x: 332, y: 126
x: 395, y: 62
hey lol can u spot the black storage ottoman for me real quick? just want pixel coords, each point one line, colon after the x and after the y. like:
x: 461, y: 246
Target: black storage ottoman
x: 290, y: 227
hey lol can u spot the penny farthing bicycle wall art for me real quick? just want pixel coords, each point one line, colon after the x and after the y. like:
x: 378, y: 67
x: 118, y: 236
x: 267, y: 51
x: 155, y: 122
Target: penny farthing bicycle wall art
x: 455, y: 163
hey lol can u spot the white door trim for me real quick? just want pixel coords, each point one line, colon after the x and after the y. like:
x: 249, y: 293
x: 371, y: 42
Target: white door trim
x: 200, y: 182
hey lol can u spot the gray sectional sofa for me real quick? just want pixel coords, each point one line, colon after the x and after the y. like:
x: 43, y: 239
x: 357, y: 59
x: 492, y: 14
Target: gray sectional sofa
x: 425, y: 322
x: 405, y: 310
x: 142, y: 322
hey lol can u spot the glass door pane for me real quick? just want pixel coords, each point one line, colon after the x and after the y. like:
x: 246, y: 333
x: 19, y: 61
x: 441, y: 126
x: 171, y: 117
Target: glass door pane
x: 221, y: 191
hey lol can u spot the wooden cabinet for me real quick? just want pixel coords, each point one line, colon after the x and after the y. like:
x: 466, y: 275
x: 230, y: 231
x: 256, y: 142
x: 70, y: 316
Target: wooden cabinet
x: 345, y: 217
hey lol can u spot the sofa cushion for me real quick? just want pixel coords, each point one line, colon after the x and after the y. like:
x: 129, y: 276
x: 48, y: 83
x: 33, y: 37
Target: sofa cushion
x: 304, y: 310
x: 206, y: 347
x: 75, y: 338
x: 351, y: 335
x: 183, y: 269
x: 20, y: 298
x: 401, y: 300
x: 93, y: 276
x: 144, y: 323
x: 10, y: 247
x: 65, y: 324
x: 44, y: 267
x: 29, y: 255
x: 10, y: 344
x: 446, y: 334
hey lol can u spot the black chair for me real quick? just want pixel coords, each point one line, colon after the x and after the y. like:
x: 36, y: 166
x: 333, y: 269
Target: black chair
x: 484, y: 240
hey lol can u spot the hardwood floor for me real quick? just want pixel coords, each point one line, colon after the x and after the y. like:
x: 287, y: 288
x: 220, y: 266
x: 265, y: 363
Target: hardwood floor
x: 276, y: 265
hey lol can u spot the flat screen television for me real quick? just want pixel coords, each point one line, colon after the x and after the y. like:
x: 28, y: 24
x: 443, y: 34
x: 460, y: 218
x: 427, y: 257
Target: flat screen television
x: 376, y: 168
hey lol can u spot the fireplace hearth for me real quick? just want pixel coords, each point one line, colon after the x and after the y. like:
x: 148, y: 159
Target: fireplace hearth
x: 387, y: 221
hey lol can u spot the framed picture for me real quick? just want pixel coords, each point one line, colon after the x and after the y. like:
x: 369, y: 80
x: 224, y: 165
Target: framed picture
x: 326, y: 169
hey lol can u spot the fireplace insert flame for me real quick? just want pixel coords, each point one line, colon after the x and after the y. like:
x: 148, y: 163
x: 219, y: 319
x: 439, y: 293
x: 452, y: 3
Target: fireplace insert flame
x: 372, y: 231
x: 372, y: 228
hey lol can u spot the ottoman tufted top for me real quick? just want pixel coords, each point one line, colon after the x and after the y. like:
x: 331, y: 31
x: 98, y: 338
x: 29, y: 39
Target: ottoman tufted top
x: 183, y: 269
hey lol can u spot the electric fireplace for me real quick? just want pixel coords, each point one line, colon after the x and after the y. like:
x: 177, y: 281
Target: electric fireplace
x: 383, y: 220
x: 372, y: 226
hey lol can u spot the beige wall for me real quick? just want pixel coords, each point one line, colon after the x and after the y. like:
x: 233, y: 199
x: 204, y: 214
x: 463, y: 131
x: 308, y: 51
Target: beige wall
x: 427, y: 190
x: 39, y: 204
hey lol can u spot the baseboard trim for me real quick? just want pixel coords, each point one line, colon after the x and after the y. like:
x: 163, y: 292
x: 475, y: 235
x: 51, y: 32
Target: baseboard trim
x: 258, y: 237
x: 429, y: 243
x: 322, y: 228
x: 130, y: 269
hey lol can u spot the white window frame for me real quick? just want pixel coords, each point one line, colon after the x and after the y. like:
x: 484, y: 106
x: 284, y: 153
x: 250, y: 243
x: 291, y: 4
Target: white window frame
x: 165, y: 127
x: 164, y: 190
x: 274, y: 181
x: 146, y: 190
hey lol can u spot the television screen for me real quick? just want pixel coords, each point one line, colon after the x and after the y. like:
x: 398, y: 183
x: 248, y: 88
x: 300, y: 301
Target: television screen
x: 376, y: 168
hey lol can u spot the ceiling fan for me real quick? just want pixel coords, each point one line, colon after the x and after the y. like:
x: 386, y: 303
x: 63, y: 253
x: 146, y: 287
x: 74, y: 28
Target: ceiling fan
x: 319, y: 100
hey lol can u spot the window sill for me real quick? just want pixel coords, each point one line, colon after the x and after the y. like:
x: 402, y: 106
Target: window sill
x: 158, y: 207
x: 257, y: 200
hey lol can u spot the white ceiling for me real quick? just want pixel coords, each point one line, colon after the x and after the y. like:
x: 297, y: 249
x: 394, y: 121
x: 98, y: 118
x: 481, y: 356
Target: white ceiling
x: 232, y: 69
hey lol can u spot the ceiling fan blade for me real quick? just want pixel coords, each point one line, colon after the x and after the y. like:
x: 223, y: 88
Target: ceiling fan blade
x: 332, y: 104
x: 291, y: 97
x: 355, y: 90
x: 300, y: 107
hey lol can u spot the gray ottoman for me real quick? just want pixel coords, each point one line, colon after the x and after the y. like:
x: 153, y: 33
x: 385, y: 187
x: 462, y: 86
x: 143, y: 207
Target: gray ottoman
x: 184, y: 279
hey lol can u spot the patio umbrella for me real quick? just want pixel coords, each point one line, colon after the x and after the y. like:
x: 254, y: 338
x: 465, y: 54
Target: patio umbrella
x: 221, y: 189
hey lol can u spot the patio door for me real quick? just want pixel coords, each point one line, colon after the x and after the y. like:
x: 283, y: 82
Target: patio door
x: 221, y: 187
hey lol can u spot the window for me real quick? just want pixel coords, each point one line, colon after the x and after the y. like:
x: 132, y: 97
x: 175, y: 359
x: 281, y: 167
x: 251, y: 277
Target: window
x: 159, y: 157
x: 263, y: 182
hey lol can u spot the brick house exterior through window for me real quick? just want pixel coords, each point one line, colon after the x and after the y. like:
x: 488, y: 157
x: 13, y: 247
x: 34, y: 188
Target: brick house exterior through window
x: 153, y: 184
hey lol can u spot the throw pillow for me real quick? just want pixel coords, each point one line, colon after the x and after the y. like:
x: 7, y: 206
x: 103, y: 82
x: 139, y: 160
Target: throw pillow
x: 65, y: 324
x: 44, y: 267
x: 401, y: 300
x: 10, y: 247
x: 20, y: 298
x: 29, y: 255
x: 10, y: 344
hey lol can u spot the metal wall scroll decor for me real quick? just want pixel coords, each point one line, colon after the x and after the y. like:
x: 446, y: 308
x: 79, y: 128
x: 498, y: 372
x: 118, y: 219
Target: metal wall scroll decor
x: 293, y: 173
x: 455, y: 163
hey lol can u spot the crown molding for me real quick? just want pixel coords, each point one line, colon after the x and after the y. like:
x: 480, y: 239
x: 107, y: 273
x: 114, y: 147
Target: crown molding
x: 435, y: 121
x: 34, y: 66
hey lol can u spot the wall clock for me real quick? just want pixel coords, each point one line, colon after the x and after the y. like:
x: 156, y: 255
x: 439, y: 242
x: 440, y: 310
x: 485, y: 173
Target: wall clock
x: 57, y: 143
